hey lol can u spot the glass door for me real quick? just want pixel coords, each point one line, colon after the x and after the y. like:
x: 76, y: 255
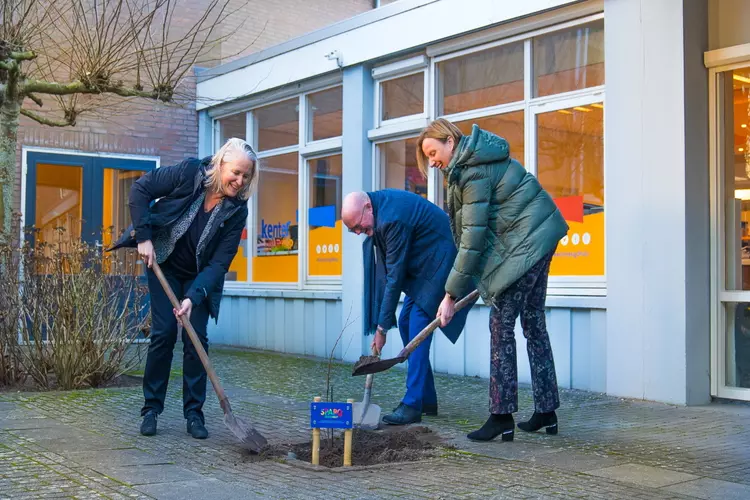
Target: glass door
x: 731, y: 232
x: 77, y: 197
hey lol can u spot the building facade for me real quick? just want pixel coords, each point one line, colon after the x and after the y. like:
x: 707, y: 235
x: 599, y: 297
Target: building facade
x: 648, y: 295
x: 79, y: 177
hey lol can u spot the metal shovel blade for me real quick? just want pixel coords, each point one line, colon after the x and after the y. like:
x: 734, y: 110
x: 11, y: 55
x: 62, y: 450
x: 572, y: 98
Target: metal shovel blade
x: 248, y: 436
x: 366, y: 416
x: 367, y: 365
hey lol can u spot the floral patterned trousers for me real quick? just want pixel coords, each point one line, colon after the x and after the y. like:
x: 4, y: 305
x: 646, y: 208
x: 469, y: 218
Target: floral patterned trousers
x: 526, y: 298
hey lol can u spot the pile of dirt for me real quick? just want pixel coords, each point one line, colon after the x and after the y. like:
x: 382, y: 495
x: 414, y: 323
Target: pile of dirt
x: 364, y: 360
x: 368, y: 447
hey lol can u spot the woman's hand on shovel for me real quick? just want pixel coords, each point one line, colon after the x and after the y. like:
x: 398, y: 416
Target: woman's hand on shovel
x: 185, y: 309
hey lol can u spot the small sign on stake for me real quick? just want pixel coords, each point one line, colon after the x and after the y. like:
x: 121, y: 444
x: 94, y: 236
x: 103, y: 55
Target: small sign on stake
x: 331, y: 416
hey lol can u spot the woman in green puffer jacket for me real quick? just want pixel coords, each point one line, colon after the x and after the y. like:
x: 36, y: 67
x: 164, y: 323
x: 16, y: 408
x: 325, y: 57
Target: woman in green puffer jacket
x: 506, y: 227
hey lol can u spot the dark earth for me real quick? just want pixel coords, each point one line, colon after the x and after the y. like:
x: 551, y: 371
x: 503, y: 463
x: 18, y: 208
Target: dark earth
x: 394, y: 444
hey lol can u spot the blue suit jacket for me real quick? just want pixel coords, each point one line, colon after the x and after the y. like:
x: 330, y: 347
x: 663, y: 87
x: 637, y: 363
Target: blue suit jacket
x: 411, y: 250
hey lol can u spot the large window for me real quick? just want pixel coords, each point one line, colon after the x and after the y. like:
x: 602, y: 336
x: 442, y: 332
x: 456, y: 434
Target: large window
x: 324, y: 216
x: 570, y: 166
x: 571, y: 59
x: 402, y: 96
x: 481, y: 79
x: 276, y: 221
x: 545, y: 95
x: 293, y: 237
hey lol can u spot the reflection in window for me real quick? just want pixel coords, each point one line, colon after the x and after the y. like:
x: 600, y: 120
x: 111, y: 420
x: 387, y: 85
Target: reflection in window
x: 232, y: 126
x: 326, y: 113
x: 59, y: 189
x: 276, y: 242
x: 570, y: 166
x: 482, y: 79
x: 737, y: 179
x: 738, y: 344
x: 398, y: 167
x: 277, y: 125
x: 116, y: 218
x: 324, y: 217
x: 571, y: 59
x: 402, y: 96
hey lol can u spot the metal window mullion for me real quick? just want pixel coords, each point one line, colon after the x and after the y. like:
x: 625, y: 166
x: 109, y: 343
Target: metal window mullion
x: 252, y: 206
x: 303, y: 197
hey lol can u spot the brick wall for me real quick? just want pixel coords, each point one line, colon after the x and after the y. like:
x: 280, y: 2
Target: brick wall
x: 171, y: 131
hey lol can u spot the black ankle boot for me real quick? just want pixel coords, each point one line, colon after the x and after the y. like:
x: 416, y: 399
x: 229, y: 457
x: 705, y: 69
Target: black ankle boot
x: 496, y: 425
x: 539, y: 420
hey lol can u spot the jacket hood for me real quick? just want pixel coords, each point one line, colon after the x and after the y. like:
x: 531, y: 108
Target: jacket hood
x: 481, y: 147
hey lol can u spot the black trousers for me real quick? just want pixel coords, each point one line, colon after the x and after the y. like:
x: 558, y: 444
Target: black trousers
x: 163, y: 338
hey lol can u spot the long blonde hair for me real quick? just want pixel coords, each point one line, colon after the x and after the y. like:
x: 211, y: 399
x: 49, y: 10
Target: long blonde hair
x: 230, y: 148
x: 439, y: 129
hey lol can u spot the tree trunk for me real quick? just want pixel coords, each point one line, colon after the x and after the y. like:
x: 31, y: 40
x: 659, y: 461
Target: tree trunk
x: 10, y: 111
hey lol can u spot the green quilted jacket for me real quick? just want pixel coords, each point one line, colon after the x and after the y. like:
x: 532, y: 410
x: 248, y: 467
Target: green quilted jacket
x: 503, y: 221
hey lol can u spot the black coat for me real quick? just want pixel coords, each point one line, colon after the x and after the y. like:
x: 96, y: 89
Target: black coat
x: 175, y: 188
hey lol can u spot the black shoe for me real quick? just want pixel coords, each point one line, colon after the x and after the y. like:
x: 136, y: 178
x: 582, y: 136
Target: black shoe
x: 539, y: 420
x: 496, y: 425
x: 430, y: 410
x: 148, y: 426
x: 196, y: 428
x: 403, y: 415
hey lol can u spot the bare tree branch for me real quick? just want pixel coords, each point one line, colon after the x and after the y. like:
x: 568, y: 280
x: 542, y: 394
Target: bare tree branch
x: 23, y: 56
x: 77, y: 87
x: 67, y: 122
x: 36, y: 100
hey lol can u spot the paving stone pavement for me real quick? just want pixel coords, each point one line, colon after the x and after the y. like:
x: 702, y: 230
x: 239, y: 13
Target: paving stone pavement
x: 85, y: 444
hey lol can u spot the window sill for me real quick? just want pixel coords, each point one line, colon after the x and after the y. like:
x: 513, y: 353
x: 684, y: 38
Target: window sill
x: 562, y: 301
x: 282, y: 294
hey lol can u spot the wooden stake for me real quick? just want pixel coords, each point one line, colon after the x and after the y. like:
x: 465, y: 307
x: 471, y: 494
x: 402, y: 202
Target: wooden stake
x: 316, y: 441
x: 348, y: 443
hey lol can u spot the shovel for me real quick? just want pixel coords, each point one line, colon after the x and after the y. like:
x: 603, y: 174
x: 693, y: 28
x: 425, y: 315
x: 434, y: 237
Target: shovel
x: 371, y: 364
x: 248, y: 436
x: 366, y: 415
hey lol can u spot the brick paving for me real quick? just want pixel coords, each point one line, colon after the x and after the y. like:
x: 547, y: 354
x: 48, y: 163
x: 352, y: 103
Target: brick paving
x: 85, y: 444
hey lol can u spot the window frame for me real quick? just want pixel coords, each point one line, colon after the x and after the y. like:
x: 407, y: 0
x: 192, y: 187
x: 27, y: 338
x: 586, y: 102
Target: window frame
x: 305, y: 150
x: 394, y: 71
x: 402, y: 128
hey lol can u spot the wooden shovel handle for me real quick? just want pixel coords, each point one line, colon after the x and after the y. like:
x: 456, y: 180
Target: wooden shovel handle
x: 191, y: 333
x: 409, y: 348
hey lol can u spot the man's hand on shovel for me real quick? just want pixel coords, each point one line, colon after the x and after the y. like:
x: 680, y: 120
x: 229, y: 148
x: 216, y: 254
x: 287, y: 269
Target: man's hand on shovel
x: 378, y: 342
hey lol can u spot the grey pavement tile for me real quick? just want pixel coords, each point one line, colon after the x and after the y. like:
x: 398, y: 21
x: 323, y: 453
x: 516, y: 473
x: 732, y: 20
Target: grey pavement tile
x: 68, y: 444
x: 32, y: 423
x: 712, y: 488
x: 115, y: 458
x: 643, y: 475
x: 576, y: 461
x: 515, y: 450
x: 203, y: 488
x: 148, y: 474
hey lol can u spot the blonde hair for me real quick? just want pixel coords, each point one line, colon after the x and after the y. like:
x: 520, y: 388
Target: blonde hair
x: 232, y: 147
x: 440, y: 129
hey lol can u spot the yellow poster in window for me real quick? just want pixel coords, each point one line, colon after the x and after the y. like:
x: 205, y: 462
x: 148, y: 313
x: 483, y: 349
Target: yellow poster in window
x: 325, y: 250
x: 581, y: 251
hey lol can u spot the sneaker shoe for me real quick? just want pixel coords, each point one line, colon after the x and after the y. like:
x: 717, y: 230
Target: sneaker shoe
x: 196, y: 428
x: 148, y: 426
